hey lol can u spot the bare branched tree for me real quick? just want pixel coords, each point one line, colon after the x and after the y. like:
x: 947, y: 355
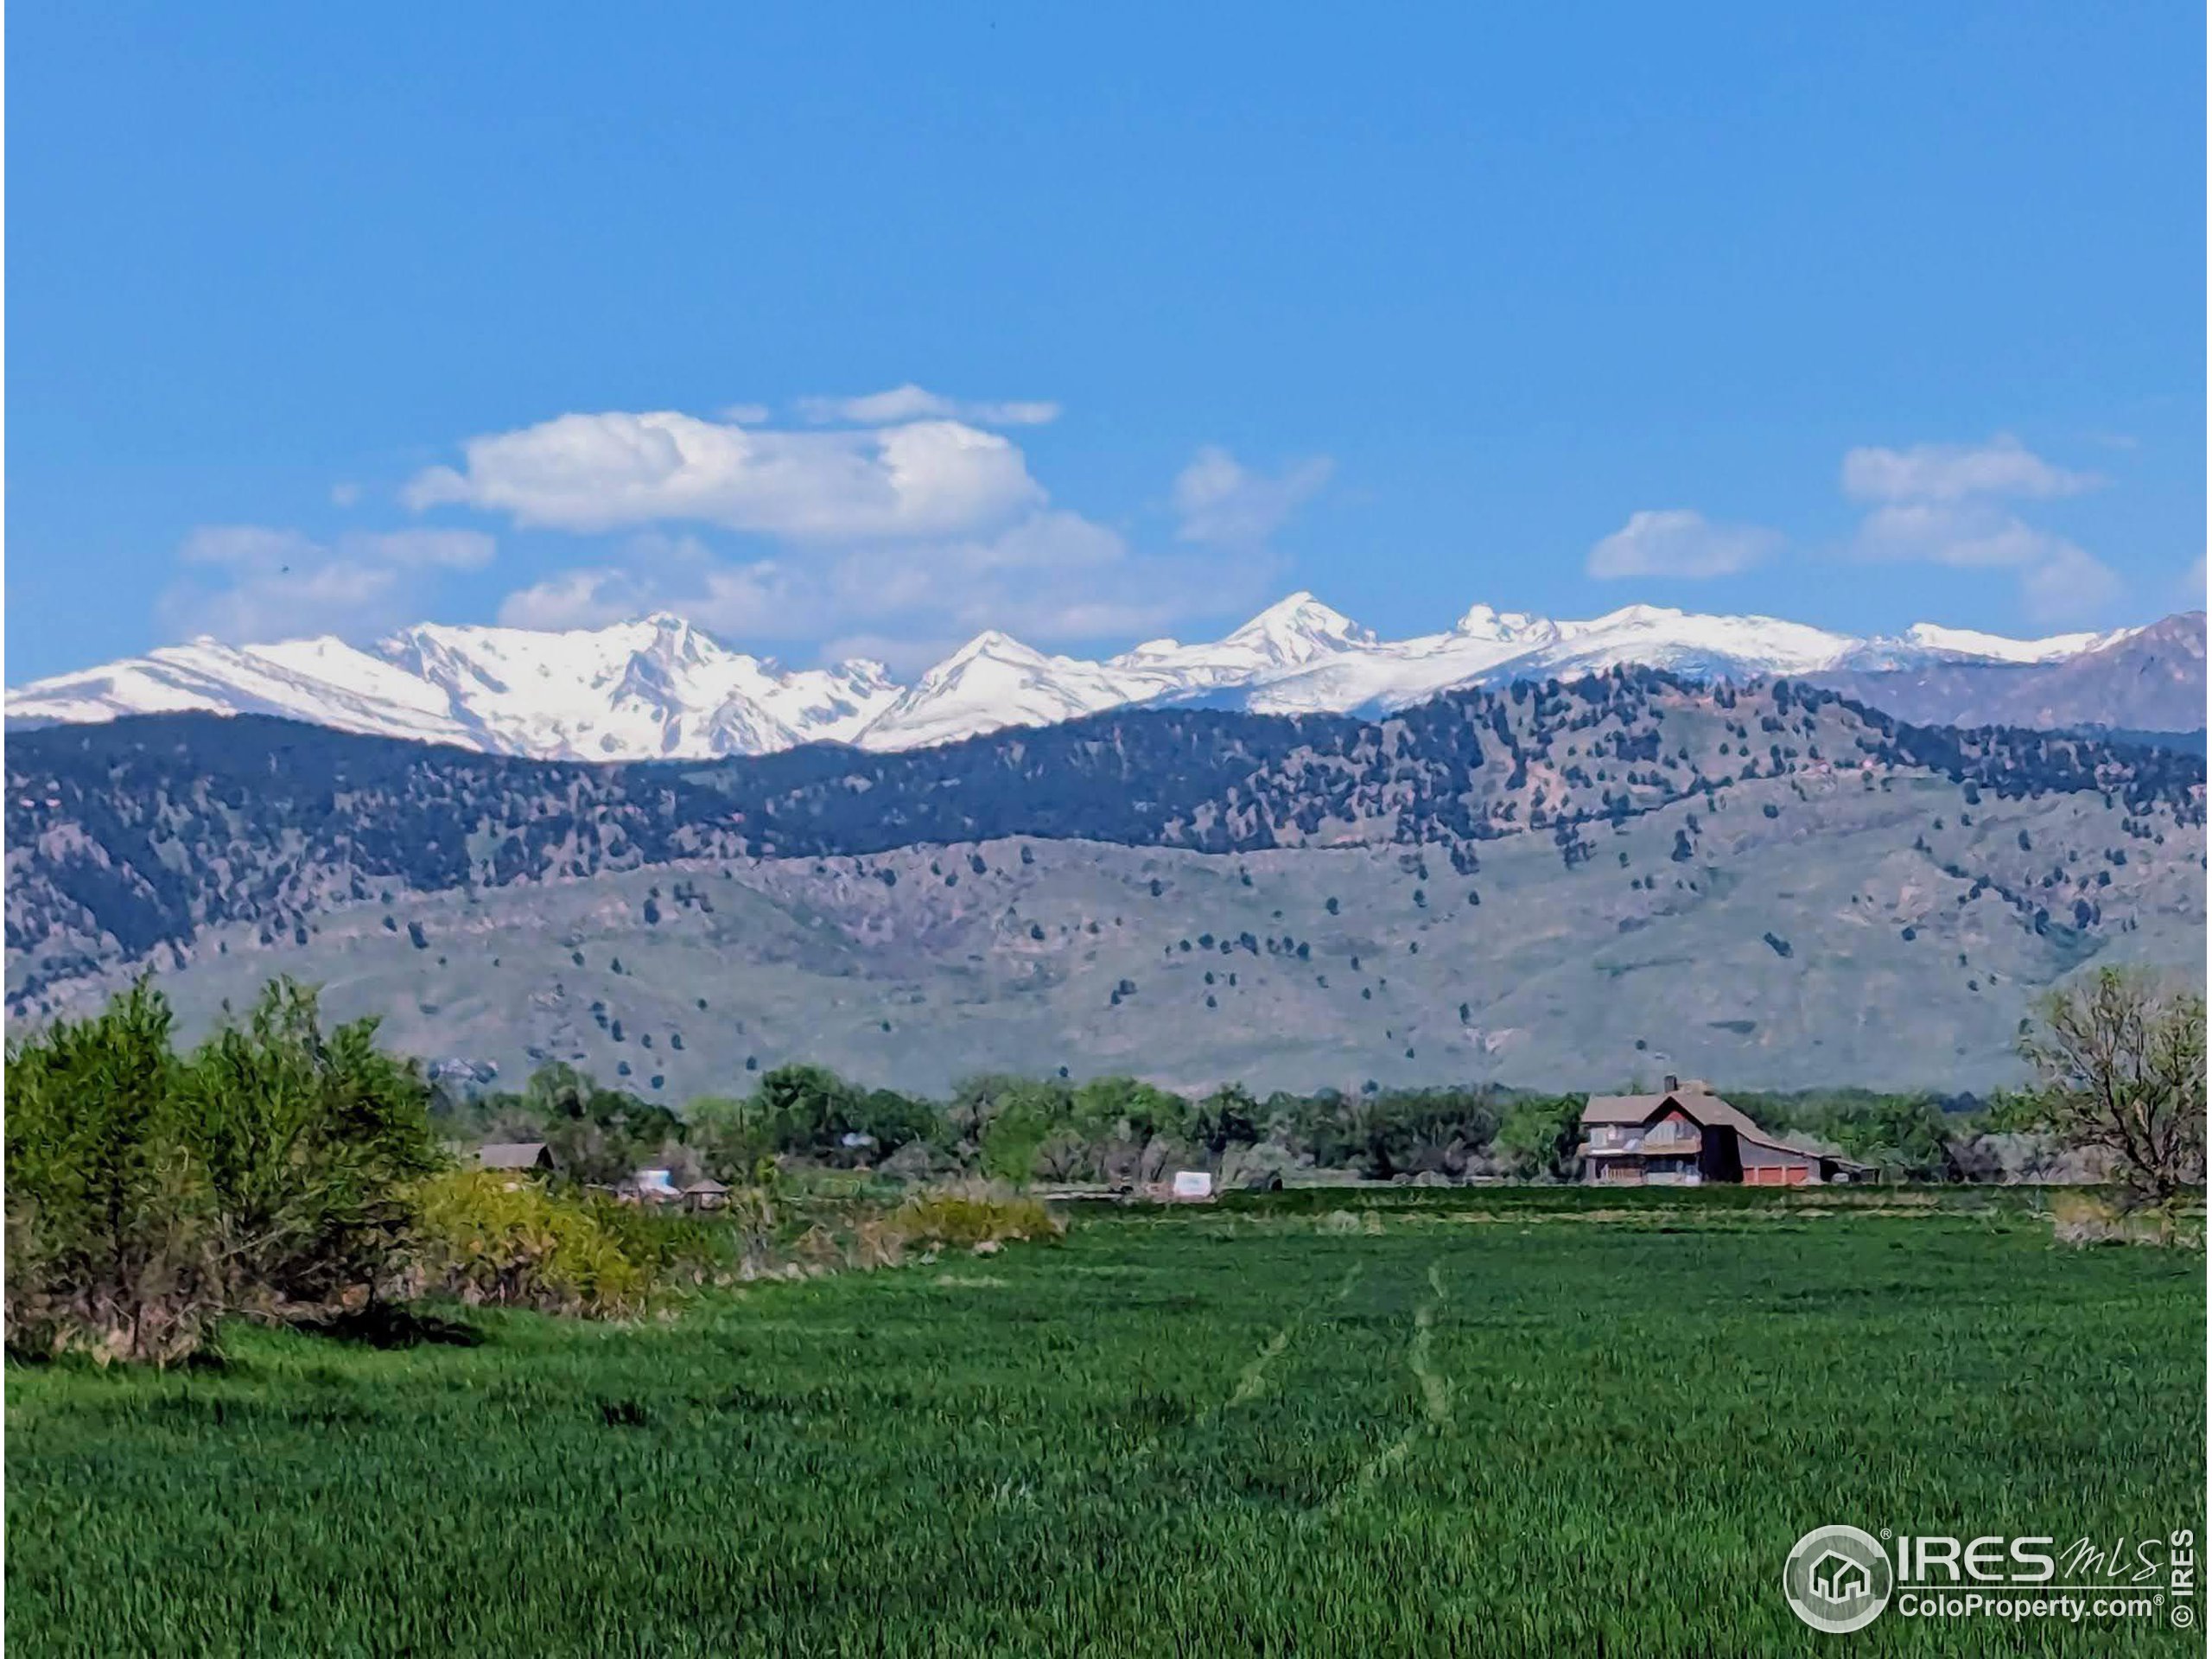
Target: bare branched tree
x: 2119, y: 1068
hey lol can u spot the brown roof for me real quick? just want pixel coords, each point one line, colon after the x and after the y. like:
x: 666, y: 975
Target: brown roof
x: 1707, y: 1109
x: 1702, y: 1106
x: 1776, y: 1143
x: 512, y: 1154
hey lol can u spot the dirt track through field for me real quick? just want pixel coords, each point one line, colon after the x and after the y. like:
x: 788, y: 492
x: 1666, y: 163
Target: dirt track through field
x: 1253, y: 1379
x: 1435, y: 1401
x: 1435, y: 1386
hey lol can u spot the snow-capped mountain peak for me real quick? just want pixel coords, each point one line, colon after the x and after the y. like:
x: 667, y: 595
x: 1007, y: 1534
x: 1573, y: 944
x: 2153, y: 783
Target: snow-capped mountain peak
x: 674, y: 639
x: 995, y: 680
x: 1149, y: 651
x: 1665, y: 638
x: 992, y: 645
x: 658, y: 685
x: 1971, y: 644
x: 1506, y: 627
x: 1299, y: 629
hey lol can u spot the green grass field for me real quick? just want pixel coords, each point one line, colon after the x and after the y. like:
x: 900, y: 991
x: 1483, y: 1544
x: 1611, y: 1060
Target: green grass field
x: 1465, y: 1422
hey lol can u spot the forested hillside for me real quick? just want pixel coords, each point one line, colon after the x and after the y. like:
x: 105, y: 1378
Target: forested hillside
x: 1669, y: 870
x: 125, y: 837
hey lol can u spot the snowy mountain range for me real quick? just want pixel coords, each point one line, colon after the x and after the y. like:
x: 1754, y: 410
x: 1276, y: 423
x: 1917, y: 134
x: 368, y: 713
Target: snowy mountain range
x: 660, y: 688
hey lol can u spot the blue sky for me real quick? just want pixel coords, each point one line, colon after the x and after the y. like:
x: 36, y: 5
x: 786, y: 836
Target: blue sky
x: 335, y: 318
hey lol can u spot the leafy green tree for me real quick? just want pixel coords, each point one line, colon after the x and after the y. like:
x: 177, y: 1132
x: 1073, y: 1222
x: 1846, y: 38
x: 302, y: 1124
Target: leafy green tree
x: 1390, y: 1133
x: 1538, y: 1138
x: 2013, y: 1111
x: 110, y: 1233
x: 725, y: 1138
x: 599, y: 1137
x: 1229, y: 1116
x: 891, y: 1119
x: 1023, y: 1117
x: 1100, y: 1129
x: 309, y: 1143
x: 809, y: 1111
x: 1124, y: 1111
x: 2120, y: 1070
x: 806, y: 1110
x: 271, y: 1172
x: 1906, y: 1136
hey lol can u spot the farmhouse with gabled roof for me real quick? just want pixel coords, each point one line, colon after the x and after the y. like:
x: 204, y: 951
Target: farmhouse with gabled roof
x: 1686, y: 1135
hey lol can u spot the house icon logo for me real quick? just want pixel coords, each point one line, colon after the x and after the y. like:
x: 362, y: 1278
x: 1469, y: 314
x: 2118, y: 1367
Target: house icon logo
x: 1837, y: 1579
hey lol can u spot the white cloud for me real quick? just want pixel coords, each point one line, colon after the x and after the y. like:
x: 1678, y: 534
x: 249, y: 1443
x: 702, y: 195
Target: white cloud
x: 758, y: 598
x: 345, y: 494
x: 2190, y: 589
x: 603, y: 472
x: 1968, y: 537
x: 1939, y: 504
x: 1677, y: 542
x: 452, y: 549
x: 919, y: 524
x: 248, y: 583
x: 587, y: 598
x: 2068, y: 585
x: 738, y: 600
x: 1055, y: 576
x: 1052, y: 576
x: 287, y: 604
x: 1043, y: 542
x: 2059, y: 581
x: 245, y: 547
x: 255, y: 549
x: 911, y: 402
x: 1225, y: 504
x: 1947, y: 472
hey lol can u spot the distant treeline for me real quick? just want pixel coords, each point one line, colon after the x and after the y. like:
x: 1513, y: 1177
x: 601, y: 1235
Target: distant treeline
x: 1120, y: 1129
x: 281, y: 1172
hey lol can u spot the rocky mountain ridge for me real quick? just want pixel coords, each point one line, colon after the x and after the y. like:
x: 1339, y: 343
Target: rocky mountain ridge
x: 660, y: 688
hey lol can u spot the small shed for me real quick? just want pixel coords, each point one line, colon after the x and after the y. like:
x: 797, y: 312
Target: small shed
x: 515, y: 1155
x: 705, y: 1193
